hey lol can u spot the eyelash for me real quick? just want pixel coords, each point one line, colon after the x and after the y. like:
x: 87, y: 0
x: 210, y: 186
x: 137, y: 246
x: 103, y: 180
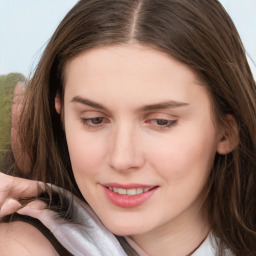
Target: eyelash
x: 88, y: 122
x: 169, y: 124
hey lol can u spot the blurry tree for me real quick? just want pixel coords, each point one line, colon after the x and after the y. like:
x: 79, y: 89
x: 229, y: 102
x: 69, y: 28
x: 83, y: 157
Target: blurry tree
x: 7, y: 85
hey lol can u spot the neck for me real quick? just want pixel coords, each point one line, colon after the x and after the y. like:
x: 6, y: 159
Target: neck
x: 179, y: 237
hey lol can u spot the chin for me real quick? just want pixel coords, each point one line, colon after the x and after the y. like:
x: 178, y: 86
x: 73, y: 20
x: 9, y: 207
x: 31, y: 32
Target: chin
x: 126, y: 229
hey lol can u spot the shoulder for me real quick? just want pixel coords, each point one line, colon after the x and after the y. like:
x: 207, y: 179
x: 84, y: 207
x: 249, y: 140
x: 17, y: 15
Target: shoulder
x: 23, y: 239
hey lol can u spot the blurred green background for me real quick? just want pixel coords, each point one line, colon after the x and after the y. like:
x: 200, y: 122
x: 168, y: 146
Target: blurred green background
x: 7, y: 85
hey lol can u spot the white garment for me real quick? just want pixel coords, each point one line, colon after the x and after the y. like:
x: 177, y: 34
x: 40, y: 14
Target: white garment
x: 205, y: 249
x: 88, y: 236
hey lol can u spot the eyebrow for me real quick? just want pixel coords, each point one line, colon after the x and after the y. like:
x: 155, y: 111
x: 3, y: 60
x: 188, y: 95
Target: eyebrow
x: 88, y: 102
x: 162, y: 105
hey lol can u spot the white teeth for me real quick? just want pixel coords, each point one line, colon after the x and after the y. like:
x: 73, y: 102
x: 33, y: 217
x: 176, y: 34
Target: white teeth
x: 121, y: 191
x: 139, y: 190
x: 129, y: 192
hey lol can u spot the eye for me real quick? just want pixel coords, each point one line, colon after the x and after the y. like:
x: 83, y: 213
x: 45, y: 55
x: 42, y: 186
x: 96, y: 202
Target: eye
x: 94, y: 122
x: 162, y: 124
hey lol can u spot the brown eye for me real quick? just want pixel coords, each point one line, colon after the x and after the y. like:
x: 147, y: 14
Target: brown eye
x: 164, y: 122
x: 97, y: 120
x: 161, y: 124
x: 94, y: 122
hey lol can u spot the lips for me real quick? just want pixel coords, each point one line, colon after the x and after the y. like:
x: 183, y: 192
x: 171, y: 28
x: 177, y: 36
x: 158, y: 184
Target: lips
x: 129, y: 192
x: 128, y: 196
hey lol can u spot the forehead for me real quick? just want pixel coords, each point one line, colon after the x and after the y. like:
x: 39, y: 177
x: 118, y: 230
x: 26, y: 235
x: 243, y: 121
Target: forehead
x: 133, y: 72
x: 133, y: 59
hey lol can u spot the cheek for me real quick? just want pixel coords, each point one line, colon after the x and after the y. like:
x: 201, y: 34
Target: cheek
x: 185, y: 155
x: 86, y: 152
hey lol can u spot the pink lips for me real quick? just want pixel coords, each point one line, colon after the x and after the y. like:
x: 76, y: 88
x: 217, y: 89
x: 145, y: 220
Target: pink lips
x: 128, y: 201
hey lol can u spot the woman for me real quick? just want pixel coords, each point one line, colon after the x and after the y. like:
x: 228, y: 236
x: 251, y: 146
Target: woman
x: 143, y: 108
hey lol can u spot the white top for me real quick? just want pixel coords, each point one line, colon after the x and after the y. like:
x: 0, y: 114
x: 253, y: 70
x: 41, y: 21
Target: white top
x: 88, y: 236
x: 205, y: 249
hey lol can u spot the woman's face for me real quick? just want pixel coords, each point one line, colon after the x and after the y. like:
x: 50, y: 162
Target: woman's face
x: 141, y: 137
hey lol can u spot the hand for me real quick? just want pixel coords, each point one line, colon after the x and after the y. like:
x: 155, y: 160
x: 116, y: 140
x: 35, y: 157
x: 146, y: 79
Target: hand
x: 12, y: 189
x: 83, y: 235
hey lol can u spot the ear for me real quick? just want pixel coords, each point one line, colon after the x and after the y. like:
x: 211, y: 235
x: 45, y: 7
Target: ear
x: 58, y: 103
x: 230, y: 136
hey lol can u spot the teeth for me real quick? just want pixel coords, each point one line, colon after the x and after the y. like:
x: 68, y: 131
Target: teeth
x: 139, y: 190
x: 121, y: 191
x: 129, y: 192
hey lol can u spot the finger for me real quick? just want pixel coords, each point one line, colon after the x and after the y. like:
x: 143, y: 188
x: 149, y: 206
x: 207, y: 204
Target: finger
x: 10, y: 206
x: 13, y: 187
x: 33, y: 207
x: 37, y: 209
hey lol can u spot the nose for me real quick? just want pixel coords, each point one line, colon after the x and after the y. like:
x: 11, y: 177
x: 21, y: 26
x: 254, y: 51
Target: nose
x: 126, y: 152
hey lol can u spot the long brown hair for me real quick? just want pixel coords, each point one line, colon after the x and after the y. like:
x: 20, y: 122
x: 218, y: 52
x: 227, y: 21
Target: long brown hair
x: 198, y: 33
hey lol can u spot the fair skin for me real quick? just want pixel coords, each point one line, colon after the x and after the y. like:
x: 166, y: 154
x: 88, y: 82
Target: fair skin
x: 20, y: 237
x: 137, y: 119
x: 142, y: 126
x: 23, y: 239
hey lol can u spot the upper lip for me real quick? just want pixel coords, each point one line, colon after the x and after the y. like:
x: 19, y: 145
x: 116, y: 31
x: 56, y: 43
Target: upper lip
x: 128, y: 186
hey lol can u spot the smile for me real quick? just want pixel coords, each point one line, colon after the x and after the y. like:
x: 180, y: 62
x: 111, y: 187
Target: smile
x: 128, y: 196
x: 129, y: 192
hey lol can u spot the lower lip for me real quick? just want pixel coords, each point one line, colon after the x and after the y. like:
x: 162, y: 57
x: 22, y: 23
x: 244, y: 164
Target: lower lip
x: 128, y: 201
